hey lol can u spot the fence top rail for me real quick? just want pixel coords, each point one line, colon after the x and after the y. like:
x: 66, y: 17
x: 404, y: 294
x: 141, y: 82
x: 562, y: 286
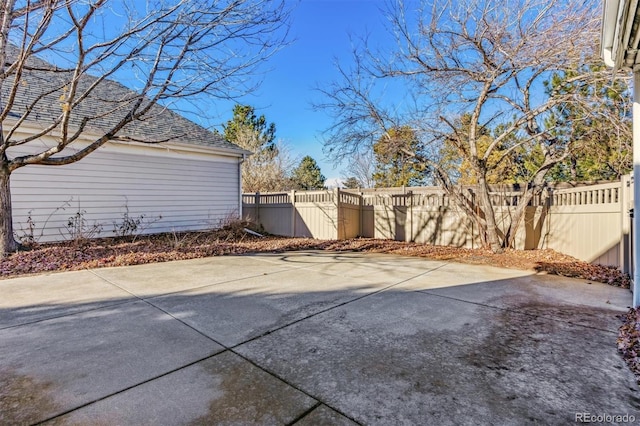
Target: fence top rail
x: 372, y: 196
x: 253, y: 194
x: 266, y: 198
x: 400, y: 194
x: 394, y: 190
x: 315, y: 191
x: 611, y: 185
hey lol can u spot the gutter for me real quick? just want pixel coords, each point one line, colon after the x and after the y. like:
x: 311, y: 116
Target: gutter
x: 608, y: 31
x: 176, y: 146
x: 617, y: 47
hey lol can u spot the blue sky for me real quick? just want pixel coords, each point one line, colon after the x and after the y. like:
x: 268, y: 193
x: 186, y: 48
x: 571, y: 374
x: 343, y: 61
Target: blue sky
x: 320, y: 34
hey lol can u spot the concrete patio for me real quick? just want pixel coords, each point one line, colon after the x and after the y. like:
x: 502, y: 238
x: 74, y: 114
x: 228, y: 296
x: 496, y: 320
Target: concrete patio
x: 310, y: 338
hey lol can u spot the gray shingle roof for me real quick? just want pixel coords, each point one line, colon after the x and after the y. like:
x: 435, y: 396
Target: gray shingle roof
x: 105, y: 106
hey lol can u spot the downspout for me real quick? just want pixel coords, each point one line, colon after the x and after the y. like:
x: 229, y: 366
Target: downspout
x: 636, y: 189
x: 629, y: 52
x: 240, y: 161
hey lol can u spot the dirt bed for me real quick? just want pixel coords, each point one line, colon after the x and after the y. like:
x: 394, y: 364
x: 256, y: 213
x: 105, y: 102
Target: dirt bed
x: 166, y: 247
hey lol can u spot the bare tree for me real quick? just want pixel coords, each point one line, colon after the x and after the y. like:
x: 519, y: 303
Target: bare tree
x: 266, y: 170
x: 361, y: 166
x: 486, y: 61
x: 59, y: 56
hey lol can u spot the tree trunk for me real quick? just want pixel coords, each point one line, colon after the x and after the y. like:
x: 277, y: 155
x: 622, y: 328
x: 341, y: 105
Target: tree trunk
x: 528, y: 194
x: 516, y: 219
x: 8, y: 243
x: 492, y: 239
x: 574, y: 169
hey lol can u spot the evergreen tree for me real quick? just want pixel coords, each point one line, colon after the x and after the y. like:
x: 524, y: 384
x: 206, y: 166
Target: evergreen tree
x: 395, y: 160
x: 597, y: 123
x: 307, y: 175
x: 267, y: 168
x: 245, y: 121
x: 352, y: 183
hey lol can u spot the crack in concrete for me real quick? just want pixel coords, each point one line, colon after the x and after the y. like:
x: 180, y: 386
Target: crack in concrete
x: 226, y: 348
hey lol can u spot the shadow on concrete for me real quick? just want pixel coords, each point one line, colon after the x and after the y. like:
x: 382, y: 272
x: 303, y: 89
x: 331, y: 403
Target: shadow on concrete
x: 331, y: 338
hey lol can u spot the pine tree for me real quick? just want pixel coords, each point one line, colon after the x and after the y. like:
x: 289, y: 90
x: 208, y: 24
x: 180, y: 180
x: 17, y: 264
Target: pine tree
x: 267, y: 168
x: 396, y: 164
x: 307, y: 175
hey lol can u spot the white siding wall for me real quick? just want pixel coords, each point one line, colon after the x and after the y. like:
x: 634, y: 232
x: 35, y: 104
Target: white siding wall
x: 189, y: 190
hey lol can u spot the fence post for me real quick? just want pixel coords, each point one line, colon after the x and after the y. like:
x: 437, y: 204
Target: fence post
x: 256, y: 203
x: 410, y: 212
x: 545, y: 232
x: 361, y: 214
x: 339, y: 215
x: 623, y: 199
x: 477, y: 212
x: 292, y: 196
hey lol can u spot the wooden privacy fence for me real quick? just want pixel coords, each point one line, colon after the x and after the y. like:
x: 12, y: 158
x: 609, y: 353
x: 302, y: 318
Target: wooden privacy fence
x: 591, y: 223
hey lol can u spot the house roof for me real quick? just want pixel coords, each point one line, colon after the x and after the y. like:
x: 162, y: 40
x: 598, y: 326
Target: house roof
x: 42, y: 86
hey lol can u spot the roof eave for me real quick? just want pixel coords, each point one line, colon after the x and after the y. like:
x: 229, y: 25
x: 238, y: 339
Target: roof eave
x: 618, y: 39
x: 236, y: 152
x: 88, y: 136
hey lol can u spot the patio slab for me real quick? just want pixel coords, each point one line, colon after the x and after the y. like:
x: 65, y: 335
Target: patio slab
x: 166, y: 277
x: 232, y: 313
x: 372, y: 267
x: 66, y: 362
x: 310, y: 338
x: 442, y: 361
x: 39, y: 297
x: 457, y: 274
x: 222, y: 390
x: 557, y: 297
x: 324, y: 415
